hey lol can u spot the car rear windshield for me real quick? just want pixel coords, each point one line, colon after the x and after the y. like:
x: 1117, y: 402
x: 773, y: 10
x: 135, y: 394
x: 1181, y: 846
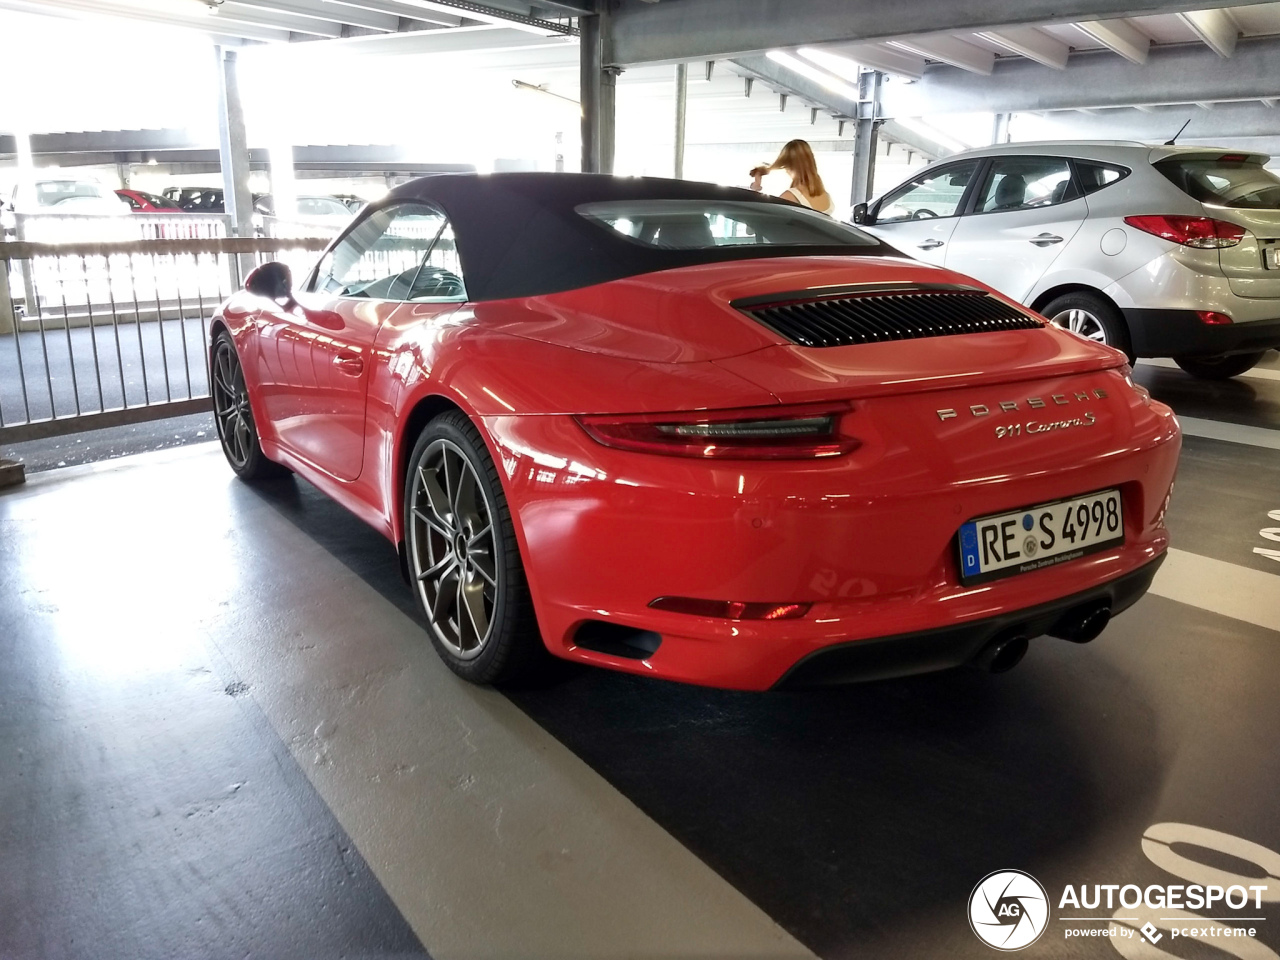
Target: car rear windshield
x: 1224, y: 182
x: 709, y: 224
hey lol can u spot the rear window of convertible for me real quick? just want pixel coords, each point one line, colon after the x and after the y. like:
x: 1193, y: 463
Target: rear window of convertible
x: 707, y: 224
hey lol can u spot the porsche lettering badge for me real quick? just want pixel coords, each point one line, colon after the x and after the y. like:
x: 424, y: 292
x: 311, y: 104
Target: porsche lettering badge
x: 1032, y: 403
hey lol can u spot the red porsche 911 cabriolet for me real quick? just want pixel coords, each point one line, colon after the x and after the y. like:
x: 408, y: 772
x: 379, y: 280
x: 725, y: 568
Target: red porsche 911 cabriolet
x: 696, y: 433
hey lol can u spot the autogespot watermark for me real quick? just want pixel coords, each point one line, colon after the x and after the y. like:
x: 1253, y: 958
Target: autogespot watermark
x: 1008, y: 910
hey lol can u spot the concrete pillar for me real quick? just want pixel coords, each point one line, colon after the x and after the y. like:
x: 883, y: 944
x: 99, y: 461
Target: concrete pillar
x: 865, y: 139
x: 589, y: 95
x: 598, y: 87
x: 1000, y: 128
x: 284, y: 189
x: 233, y: 147
x: 682, y: 98
x: 8, y: 322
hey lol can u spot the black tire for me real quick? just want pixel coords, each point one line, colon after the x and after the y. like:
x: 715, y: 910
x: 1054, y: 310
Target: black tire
x: 1091, y: 316
x: 1222, y: 367
x: 233, y: 415
x: 464, y: 562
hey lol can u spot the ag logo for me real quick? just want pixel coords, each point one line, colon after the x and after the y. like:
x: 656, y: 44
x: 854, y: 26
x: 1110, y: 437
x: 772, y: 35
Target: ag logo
x: 1008, y: 910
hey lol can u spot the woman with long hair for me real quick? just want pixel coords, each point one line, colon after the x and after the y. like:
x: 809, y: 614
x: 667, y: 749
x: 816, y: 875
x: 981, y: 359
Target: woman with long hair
x: 806, y: 187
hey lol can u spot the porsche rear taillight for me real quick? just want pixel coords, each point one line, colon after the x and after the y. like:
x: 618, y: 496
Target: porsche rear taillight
x: 1203, y: 233
x: 798, y: 432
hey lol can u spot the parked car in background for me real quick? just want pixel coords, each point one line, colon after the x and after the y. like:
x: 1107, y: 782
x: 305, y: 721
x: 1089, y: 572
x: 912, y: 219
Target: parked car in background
x: 354, y: 204
x: 307, y: 207
x: 1162, y: 251
x: 65, y: 196
x: 140, y: 201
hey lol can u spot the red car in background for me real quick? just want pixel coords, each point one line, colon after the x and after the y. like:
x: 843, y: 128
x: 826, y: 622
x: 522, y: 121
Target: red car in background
x: 696, y: 433
x: 142, y: 202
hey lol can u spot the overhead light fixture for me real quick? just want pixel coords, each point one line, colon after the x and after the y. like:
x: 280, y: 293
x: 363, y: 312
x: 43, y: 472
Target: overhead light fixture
x: 931, y: 133
x: 820, y: 77
x: 542, y: 88
x: 842, y: 67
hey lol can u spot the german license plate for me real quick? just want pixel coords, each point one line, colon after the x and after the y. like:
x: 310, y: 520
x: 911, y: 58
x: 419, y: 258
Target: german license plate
x: 1036, y: 537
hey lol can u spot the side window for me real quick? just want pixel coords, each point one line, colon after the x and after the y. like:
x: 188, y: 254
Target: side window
x: 936, y: 194
x: 441, y: 275
x: 1093, y: 176
x: 1023, y: 183
x: 383, y: 256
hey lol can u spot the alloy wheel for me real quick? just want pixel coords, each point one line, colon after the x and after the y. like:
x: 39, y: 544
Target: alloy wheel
x: 1082, y: 323
x: 231, y: 406
x: 452, y: 549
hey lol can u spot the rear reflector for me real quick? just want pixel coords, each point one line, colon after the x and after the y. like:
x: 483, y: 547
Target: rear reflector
x: 731, y: 609
x: 798, y: 432
x: 1204, y: 233
x: 1213, y: 318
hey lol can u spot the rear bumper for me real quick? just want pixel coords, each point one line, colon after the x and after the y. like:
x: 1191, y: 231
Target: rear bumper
x: 947, y: 647
x: 1179, y: 333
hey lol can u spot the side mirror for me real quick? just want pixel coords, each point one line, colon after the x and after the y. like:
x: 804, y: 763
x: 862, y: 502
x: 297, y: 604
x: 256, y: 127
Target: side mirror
x: 272, y: 280
x: 860, y: 213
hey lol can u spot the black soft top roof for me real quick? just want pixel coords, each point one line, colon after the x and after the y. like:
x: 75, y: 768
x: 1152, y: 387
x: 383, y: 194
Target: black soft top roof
x: 518, y: 234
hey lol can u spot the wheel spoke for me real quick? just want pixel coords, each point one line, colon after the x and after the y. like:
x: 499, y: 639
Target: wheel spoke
x: 437, y: 499
x: 444, y: 593
x: 434, y: 524
x: 472, y: 595
x: 479, y: 568
x: 440, y: 569
x: 476, y: 537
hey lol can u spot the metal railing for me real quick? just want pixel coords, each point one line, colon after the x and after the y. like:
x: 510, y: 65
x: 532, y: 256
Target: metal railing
x: 99, y: 334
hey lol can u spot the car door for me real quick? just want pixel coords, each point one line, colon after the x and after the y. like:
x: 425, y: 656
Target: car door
x: 1025, y: 213
x: 919, y: 217
x: 317, y: 353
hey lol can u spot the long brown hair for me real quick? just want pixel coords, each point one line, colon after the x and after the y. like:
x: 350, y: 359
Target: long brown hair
x: 798, y: 160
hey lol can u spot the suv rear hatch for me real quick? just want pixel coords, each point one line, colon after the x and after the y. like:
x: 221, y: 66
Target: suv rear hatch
x: 1238, y: 189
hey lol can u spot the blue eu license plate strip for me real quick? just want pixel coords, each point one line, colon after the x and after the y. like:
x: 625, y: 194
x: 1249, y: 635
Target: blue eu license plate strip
x: 1020, y: 541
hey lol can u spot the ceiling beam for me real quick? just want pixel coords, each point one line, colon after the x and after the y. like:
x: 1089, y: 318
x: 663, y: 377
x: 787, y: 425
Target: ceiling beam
x: 950, y: 50
x: 779, y: 77
x: 1119, y: 36
x: 400, y: 8
x: 1031, y: 43
x: 1182, y: 73
x: 1216, y: 28
x: 882, y: 57
x: 203, y: 23
x: 339, y: 13
x: 234, y: 11
x: 697, y: 29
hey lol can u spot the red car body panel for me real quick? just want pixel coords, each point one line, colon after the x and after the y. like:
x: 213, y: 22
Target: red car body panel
x: 867, y: 538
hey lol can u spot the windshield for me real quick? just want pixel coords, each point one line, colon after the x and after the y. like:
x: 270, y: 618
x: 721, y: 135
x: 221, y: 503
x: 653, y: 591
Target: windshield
x: 52, y: 192
x: 1229, y: 183
x: 707, y: 224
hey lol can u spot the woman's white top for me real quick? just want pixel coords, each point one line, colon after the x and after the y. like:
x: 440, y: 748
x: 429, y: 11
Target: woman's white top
x: 799, y: 194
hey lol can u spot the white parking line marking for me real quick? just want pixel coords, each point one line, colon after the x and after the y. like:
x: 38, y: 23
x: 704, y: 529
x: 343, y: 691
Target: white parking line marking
x: 1229, y: 589
x: 1232, y: 432
x: 1257, y: 373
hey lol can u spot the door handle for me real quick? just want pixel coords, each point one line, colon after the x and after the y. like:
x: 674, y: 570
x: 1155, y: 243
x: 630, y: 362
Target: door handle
x: 349, y: 362
x: 1045, y: 240
x: 930, y: 245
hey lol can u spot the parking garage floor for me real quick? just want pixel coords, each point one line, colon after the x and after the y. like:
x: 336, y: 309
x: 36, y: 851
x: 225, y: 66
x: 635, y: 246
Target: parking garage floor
x: 224, y: 734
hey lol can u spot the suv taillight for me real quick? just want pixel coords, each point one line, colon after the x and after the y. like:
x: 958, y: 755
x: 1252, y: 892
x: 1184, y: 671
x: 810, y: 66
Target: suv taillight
x: 1204, y: 233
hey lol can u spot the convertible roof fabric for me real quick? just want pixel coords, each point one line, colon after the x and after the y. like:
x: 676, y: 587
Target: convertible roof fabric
x: 519, y: 235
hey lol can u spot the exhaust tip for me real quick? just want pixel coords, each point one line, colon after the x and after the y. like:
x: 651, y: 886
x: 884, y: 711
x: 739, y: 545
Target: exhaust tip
x: 1083, y: 624
x: 1002, y: 654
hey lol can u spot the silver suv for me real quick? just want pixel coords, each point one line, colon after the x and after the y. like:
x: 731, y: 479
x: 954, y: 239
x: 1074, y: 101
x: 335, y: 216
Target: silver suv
x: 1162, y: 251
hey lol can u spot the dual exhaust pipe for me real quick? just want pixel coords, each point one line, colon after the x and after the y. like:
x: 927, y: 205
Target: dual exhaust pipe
x: 1079, y: 625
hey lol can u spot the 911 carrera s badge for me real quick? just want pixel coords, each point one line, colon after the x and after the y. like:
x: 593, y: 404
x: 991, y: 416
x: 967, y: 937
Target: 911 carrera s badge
x: 1030, y: 403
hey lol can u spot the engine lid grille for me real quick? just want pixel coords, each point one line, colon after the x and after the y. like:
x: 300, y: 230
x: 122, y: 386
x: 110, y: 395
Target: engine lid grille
x: 837, y: 318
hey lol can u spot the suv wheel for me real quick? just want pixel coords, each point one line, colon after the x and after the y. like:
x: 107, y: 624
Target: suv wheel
x: 1091, y: 317
x: 1221, y: 367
